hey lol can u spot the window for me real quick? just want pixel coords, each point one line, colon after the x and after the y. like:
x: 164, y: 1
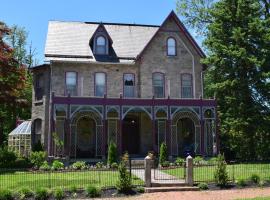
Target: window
x: 101, y: 47
x: 158, y: 85
x: 186, y: 86
x: 71, y: 83
x: 171, y: 47
x: 100, y: 84
x: 39, y: 86
x: 129, y: 85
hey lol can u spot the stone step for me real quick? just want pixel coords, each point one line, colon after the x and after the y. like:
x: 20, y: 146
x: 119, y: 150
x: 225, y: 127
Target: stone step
x: 158, y: 184
x: 170, y: 189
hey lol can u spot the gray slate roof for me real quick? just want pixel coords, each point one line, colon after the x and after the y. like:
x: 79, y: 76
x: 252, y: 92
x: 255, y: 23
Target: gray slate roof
x: 72, y: 39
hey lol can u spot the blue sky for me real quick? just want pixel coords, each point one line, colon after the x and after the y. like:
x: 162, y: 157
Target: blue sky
x: 34, y: 14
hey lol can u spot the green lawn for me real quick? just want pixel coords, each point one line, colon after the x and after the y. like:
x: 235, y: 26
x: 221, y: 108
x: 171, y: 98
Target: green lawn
x: 239, y: 171
x: 61, y: 179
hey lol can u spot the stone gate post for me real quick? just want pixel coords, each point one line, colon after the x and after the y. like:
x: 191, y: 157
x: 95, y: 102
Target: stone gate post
x: 189, y: 171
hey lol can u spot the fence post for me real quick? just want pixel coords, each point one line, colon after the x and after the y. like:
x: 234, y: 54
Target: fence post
x: 147, y: 172
x: 189, y: 171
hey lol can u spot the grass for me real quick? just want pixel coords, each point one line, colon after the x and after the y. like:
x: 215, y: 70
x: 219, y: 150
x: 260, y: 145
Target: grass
x: 32, y: 180
x: 238, y: 171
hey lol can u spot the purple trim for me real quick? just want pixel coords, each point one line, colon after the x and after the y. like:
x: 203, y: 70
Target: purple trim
x: 105, y: 92
x: 181, y: 88
x: 65, y: 93
x: 167, y: 49
x: 153, y: 91
x: 134, y: 78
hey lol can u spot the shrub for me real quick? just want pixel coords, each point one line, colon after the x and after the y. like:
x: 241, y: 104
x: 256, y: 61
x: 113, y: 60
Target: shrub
x: 123, y: 184
x: 42, y: 194
x: 114, y: 165
x: 163, y: 156
x: 5, y: 194
x: 112, y: 154
x: 165, y: 164
x: 203, y: 186
x: 45, y: 166
x: 213, y: 160
x: 140, y: 189
x: 125, y: 157
x: 179, y: 161
x: 7, y: 157
x: 99, y: 165
x: 221, y: 174
x: 38, y: 146
x: 261, y: 183
x: 25, y: 193
x: 79, y: 165
x: 241, y: 182
x: 37, y: 158
x: 57, y: 165
x: 255, y: 178
x: 73, y: 189
x: 22, y: 163
x: 58, y: 194
x: 92, y: 191
x: 198, y: 160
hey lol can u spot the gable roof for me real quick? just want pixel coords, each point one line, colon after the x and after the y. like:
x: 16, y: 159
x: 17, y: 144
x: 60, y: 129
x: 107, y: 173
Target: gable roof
x: 70, y: 40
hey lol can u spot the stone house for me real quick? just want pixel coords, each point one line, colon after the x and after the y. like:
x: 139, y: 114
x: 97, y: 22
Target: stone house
x: 135, y: 85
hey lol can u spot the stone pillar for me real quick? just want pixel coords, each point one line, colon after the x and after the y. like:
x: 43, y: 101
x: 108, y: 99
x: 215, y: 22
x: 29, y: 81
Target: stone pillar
x: 147, y: 173
x: 189, y: 171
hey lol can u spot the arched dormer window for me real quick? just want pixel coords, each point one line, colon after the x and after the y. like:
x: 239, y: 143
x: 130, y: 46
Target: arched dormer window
x: 101, y: 45
x: 171, y: 47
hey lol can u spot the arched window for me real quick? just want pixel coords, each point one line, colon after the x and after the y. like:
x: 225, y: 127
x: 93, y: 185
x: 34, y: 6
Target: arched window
x: 171, y: 47
x: 101, y: 45
x: 158, y: 85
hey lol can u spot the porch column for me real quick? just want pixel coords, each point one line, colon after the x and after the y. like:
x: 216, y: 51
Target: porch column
x: 168, y: 136
x: 202, y: 126
x: 120, y: 123
x: 104, y: 139
x: 50, y: 139
x: 67, y: 132
x: 154, y: 135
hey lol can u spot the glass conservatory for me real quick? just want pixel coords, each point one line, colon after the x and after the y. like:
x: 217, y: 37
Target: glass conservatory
x: 19, y: 140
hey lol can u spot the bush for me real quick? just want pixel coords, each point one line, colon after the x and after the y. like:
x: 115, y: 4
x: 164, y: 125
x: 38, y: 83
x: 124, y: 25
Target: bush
x: 198, y: 160
x: 221, y: 174
x: 112, y: 154
x: 37, y: 158
x: 179, y: 161
x: 203, y: 186
x: 45, y: 166
x: 261, y: 183
x: 213, y: 160
x: 5, y: 194
x: 123, y: 184
x: 255, y: 178
x: 73, y: 189
x: 58, y: 194
x: 79, y: 165
x: 99, y: 165
x: 163, y: 156
x: 92, y: 191
x: 140, y: 189
x: 241, y: 182
x: 7, y: 157
x: 57, y: 165
x: 42, y: 194
x: 25, y: 193
x: 165, y: 164
x: 114, y: 165
x: 38, y: 146
x: 22, y: 163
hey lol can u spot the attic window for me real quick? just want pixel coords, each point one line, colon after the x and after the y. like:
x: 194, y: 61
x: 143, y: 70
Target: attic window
x: 101, y: 45
x: 171, y: 47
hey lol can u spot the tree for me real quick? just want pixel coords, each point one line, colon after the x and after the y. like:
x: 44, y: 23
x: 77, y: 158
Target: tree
x: 237, y: 40
x: 163, y: 156
x: 221, y: 174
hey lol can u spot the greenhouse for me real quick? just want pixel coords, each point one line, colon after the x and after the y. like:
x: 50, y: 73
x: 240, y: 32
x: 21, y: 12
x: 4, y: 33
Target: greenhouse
x: 19, y: 140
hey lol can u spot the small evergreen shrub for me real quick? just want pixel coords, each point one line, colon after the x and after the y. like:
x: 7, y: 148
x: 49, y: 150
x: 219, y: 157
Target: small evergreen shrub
x: 45, y: 166
x: 25, y: 193
x: 221, y: 174
x: 123, y: 184
x: 163, y: 156
x: 241, y: 182
x: 140, y: 189
x: 42, y: 194
x: 79, y: 165
x: 57, y: 165
x: 114, y: 165
x: 92, y: 191
x: 179, y: 161
x: 255, y: 178
x: 58, y: 194
x: 5, y: 194
x: 7, y: 157
x: 112, y: 154
x: 203, y: 186
x: 37, y: 158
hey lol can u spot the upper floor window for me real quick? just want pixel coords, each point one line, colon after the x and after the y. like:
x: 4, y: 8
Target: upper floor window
x: 186, y: 86
x: 129, y: 85
x: 39, y: 83
x: 158, y: 85
x: 171, y: 47
x: 100, y: 84
x: 71, y: 83
x: 101, y: 45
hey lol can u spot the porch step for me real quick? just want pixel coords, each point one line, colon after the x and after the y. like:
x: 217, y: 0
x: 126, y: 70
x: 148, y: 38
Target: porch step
x: 170, y: 189
x: 158, y: 184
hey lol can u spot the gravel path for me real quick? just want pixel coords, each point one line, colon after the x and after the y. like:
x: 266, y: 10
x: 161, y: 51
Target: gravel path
x: 204, y: 195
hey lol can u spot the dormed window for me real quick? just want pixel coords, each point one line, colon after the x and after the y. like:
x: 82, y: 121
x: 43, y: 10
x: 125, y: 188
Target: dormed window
x: 101, y: 45
x: 186, y: 86
x: 100, y: 84
x: 71, y: 83
x: 171, y: 47
x: 158, y: 85
x: 129, y: 85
